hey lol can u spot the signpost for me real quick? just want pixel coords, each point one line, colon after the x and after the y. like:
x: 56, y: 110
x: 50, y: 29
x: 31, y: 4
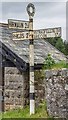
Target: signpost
x: 47, y: 33
x: 20, y: 35
x: 30, y: 35
x: 38, y: 34
x: 18, y: 24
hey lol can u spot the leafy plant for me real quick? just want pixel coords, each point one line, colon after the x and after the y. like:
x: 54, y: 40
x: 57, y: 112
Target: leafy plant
x: 49, y: 62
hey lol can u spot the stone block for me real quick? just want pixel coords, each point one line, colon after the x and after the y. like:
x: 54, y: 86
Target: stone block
x: 11, y: 70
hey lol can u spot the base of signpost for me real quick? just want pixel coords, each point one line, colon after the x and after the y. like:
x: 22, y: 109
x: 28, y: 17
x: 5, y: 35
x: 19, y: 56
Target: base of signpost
x: 32, y: 107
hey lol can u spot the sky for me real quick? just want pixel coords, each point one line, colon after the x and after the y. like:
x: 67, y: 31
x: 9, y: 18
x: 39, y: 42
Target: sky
x: 48, y: 14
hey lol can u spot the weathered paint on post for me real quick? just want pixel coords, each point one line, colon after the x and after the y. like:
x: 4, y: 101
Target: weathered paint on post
x: 30, y: 10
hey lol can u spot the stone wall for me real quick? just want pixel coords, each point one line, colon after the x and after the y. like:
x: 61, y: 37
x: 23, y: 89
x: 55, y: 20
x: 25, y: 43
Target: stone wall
x: 15, y: 88
x: 56, y: 87
x: 53, y: 89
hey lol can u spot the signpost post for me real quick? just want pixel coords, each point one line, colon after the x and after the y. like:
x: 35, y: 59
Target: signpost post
x: 31, y: 11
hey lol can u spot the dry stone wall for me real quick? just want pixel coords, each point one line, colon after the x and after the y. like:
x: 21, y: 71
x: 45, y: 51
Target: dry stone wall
x: 56, y: 87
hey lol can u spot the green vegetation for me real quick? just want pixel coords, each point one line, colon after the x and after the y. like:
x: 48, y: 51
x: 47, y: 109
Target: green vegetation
x: 61, y: 64
x: 24, y: 113
x: 49, y: 63
x: 39, y: 75
x: 59, y: 44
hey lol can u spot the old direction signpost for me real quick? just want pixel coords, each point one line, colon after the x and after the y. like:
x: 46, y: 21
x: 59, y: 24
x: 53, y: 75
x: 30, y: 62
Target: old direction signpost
x: 38, y: 34
x: 30, y: 35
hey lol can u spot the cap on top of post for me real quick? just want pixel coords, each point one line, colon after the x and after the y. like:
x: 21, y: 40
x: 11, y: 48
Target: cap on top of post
x: 31, y: 9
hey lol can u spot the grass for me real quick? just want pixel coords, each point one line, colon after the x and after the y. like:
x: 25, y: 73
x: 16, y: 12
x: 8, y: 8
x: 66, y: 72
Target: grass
x: 61, y: 64
x: 40, y: 112
x: 58, y: 65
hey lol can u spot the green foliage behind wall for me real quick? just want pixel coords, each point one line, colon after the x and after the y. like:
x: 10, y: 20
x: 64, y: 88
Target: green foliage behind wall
x: 59, y: 44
